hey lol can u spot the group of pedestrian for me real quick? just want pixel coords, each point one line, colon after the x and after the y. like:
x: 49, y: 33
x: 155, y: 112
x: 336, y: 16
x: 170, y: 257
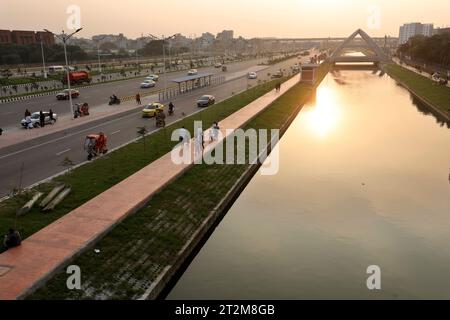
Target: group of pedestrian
x: 200, y: 137
x: 42, y: 116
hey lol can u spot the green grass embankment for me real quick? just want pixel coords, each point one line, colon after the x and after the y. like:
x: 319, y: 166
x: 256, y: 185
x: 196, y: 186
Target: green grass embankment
x: 428, y: 90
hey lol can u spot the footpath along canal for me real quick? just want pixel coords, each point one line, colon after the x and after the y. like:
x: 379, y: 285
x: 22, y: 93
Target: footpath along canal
x: 363, y: 180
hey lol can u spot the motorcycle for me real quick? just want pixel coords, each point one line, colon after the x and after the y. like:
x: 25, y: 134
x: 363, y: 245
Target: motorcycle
x: 95, y: 145
x: 113, y: 101
x: 81, y: 110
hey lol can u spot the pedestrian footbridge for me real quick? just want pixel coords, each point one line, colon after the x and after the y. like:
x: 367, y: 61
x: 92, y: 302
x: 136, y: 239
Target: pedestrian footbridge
x: 365, y: 44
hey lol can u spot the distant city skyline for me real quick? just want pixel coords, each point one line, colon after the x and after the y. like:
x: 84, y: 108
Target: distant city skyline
x: 248, y: 18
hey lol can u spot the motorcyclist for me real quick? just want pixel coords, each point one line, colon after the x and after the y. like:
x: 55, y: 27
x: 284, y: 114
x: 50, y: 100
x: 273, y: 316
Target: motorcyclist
x: 160, y: 119
x: 171, y: 108
x: 113, y: 98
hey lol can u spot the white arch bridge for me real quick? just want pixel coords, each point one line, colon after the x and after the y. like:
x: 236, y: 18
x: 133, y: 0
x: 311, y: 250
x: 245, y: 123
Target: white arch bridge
x: 365, y: 44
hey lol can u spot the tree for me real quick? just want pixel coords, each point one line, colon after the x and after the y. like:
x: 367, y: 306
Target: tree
x: 153, y: 48
x: 431, y: 50
x: 108, y: 46
x: 142, y: 131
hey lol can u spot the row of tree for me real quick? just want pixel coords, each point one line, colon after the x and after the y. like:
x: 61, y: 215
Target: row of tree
x: 434, y: 50
x: 12, y: 54
x: 155, y: 48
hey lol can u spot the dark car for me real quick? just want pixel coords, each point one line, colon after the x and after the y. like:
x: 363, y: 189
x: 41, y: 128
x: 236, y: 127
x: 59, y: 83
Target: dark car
x: 206, y: 101
x: 278, y: 74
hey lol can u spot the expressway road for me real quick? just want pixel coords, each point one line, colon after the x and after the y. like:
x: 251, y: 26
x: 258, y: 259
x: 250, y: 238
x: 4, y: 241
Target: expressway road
x: 42, y: 157
x: 12, y: 113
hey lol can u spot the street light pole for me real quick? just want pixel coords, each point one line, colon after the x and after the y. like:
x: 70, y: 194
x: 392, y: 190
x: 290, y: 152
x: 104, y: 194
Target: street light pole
x: 164, y: 57
x: 99, y: 63
x: 43, y: 59
x: 164, y: 62
x: 64, y: 38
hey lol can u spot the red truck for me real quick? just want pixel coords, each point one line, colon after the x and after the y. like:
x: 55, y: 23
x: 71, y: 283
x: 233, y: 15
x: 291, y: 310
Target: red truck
x: 77, y: 77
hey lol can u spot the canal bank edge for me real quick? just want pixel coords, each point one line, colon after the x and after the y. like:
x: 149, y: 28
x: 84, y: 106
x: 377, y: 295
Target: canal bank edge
x: 217, y: 214
x: 445, y: 115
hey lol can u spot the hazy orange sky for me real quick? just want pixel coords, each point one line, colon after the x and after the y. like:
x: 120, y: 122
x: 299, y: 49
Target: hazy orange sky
x: 249, y: 18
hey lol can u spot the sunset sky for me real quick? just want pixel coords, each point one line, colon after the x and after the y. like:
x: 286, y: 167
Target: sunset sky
x: 248, y: 18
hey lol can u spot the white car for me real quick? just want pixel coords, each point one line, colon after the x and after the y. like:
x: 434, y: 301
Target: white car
x: 153, y: 77
x: 252, y: 75
x: 436, y: 77
x: 218, y: 65
x: 34, y: 120
x: 148, y: 84
x: 192, y: 72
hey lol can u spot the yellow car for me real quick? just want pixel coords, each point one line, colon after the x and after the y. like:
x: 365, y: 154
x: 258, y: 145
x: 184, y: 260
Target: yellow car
x: 150, y: 110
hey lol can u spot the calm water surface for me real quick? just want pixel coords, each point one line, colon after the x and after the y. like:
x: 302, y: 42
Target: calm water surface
x: 363, y: 180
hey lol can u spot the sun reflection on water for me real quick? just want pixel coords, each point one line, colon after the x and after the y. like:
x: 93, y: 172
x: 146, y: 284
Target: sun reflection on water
x: 324, y: 116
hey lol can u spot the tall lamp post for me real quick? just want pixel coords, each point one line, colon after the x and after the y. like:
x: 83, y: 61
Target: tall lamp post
x: 98, y: 56
x: 64, y: 38
x: 43, y: 59
x: 164, y: 56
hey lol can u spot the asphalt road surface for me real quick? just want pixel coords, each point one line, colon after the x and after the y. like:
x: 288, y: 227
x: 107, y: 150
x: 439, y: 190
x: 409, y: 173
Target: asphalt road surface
x: 12, y: 113
x: 41, y: 158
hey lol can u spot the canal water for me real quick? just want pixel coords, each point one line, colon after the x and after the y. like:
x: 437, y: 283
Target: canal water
x: 363, y: 180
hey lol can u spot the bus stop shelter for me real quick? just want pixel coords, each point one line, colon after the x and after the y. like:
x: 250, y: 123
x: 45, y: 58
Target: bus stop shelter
x: 189, y: 83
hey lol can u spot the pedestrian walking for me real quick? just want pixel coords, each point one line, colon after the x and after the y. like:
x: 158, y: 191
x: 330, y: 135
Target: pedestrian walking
x: 184, y: 134
x: 138, y: 99
x: 199, y: 144
x: 214, y: 131
x: 41, y: 119
x: 50, y: 114
x: 278, y: 87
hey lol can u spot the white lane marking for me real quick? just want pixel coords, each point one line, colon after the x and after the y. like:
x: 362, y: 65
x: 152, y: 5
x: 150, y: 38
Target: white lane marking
x: 115, y: 132
x: 62, y: 152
